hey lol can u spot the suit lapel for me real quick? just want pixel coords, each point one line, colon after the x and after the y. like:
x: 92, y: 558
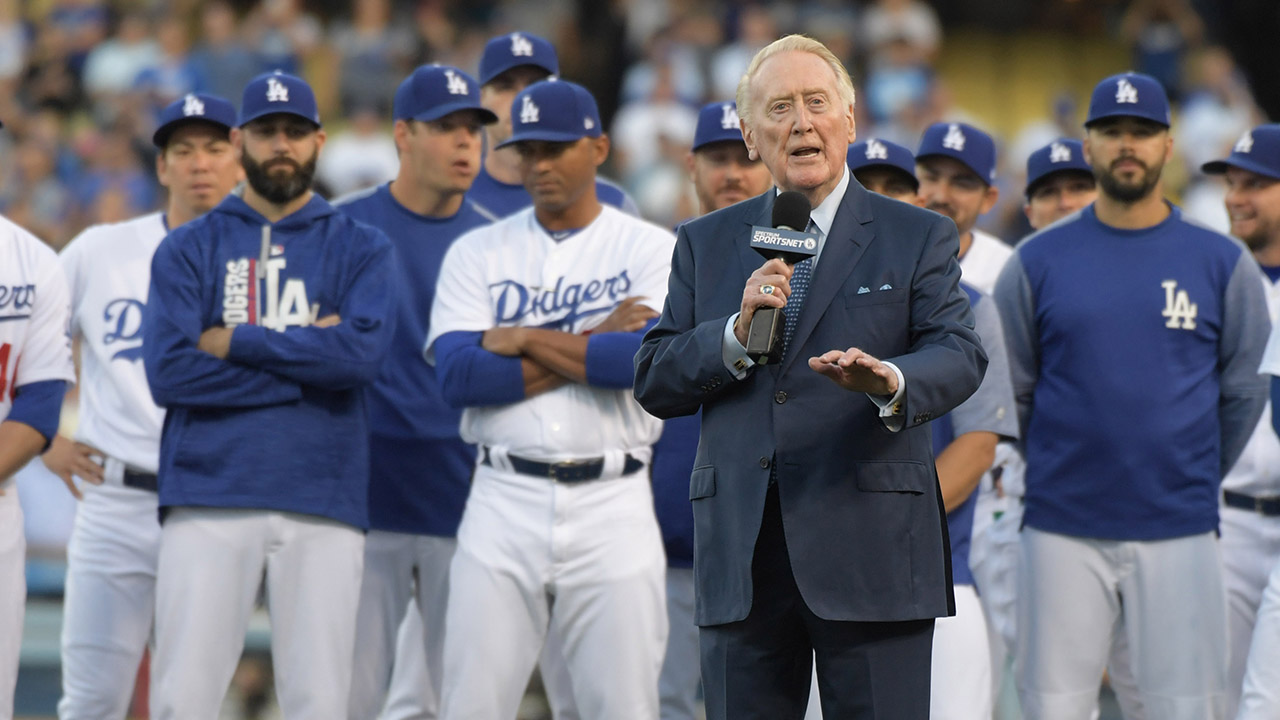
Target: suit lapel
x: 848, y: 239
x: 760, y: 214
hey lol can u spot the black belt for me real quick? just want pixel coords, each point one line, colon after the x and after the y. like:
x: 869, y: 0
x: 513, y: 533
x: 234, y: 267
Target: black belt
x: 1269, y: 506
x: 140, y: 480
x: 568, y: 471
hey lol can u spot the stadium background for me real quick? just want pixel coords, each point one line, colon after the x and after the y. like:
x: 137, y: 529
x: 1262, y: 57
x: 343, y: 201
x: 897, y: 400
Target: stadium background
x: 81, y: 81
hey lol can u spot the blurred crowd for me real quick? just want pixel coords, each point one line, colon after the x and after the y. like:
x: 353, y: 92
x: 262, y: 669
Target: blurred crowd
x: 82, y: 80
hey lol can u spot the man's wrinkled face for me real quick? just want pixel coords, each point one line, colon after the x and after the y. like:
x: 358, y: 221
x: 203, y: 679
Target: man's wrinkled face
x: 799, y: 125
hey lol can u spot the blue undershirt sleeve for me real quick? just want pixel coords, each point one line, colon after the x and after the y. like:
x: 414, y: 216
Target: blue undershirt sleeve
x: 610, y: 358
x: 1275, y: 403
x: 471, y: 376
x: 39, y: 404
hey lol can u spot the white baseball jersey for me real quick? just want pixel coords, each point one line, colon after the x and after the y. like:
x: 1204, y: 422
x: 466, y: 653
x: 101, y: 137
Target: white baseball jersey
x: 571, y: 285
x: 109, y: 269
x: 1257, y: 472
x: 34, y: 341
x: 982, y: 264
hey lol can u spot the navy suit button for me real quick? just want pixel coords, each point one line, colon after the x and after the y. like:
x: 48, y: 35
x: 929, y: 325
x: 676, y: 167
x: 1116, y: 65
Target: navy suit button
x: 779, y: 397
x: 764, y: 462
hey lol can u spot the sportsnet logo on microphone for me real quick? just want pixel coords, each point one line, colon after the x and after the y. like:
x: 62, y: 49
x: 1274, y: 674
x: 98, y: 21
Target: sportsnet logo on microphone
x: 791, y: 245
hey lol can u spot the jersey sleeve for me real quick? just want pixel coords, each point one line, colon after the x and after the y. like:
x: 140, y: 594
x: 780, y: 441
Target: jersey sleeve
x: 991, y: 407
x: 71, y: 260
x: 462, y: 294
x: 46, y: 350
x: 345, y: 355
x: 1246, y: 325
x: 1016, y: 303
x: 178, y: 372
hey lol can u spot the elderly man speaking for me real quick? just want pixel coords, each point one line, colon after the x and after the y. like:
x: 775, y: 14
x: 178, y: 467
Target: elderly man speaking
x: 819, y: 525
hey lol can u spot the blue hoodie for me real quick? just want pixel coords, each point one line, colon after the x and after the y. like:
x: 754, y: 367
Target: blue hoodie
x: 281, y: 423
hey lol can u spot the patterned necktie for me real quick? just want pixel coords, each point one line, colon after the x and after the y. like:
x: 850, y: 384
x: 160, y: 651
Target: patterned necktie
x: 795, y: 302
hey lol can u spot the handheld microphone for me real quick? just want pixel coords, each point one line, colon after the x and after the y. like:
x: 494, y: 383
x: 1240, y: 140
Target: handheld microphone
x: 788, y: 241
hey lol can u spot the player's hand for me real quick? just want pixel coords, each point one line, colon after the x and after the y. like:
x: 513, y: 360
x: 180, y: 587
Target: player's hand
x: 327, y: 321
x: 65, y: 458
x: 768, y: 286
x: 628, y: 316
x: 508, y: 341
x: 855, y: 370
x: 216, y: 341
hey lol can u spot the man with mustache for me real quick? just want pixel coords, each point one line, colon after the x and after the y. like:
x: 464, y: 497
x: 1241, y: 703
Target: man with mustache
x: 267, y: 318
x: 420, y: 468
x: 115, y: 545
x: 1138, y: 336
x: 536, y: 321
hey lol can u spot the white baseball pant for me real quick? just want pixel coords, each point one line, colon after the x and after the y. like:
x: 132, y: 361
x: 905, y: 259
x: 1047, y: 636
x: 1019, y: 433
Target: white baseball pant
x: 211, y: 566
x: 410, y: 694
x: 1260, y: 699
x: 1073, y: 593
x: 1250, y: 549
x: 109, y: 606
x: 583, y: 557
x: 391, y: 562
x: 960, y: 677
x: 13, y: 592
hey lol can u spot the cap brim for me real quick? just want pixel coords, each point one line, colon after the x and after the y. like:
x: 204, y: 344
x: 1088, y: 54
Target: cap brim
x: 915, y: 181
x: 717, y: 141
x: 1219, y: 167
x: 487, y: 115
x: 1035, y: 182
x: 542, y: 136
x: 1121, y: 114
x: 958, y: 159
x: 161, y: 136
x: 259, y: 116
x: 486, y: 79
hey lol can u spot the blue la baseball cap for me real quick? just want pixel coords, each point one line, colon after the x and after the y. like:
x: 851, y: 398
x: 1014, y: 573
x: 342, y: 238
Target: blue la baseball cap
x: 194, y: 107
x: 553, y: 111
x: 278, y: 92
x: 717, y: 122
x: 1061, y: 155
x: 433, y: 91
x: 1258, y: 150
x: 508, y: 51
x: 874, y: 152
x: 1129, y: 94
x: 963, y: 142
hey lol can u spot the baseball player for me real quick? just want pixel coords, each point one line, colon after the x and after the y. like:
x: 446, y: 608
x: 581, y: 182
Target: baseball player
x: 420, y: 468
x: 35, y: 367
x: 886, y: 168
x: 964, y: 448
x: 266, y: 319
x: 115, y: 543
x: 509, y: 64
x: 1138, y: 335
x: 536, y: 320
x: 722, y: 173
x: 1250, y: 508
x: 1059, y: 182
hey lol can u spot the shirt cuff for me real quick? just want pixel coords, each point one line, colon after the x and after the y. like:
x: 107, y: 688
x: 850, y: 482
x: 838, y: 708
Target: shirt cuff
x: 891, y: 405
x: 734, y: 355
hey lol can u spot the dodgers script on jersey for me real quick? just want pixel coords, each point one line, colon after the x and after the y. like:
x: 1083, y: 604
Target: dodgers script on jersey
x: 572, y: 285
x: 116, y: 411
x: 34, y: 341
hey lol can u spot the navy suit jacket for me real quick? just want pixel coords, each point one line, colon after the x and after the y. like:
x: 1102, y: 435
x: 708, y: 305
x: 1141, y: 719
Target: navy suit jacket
x: 861, y: 510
